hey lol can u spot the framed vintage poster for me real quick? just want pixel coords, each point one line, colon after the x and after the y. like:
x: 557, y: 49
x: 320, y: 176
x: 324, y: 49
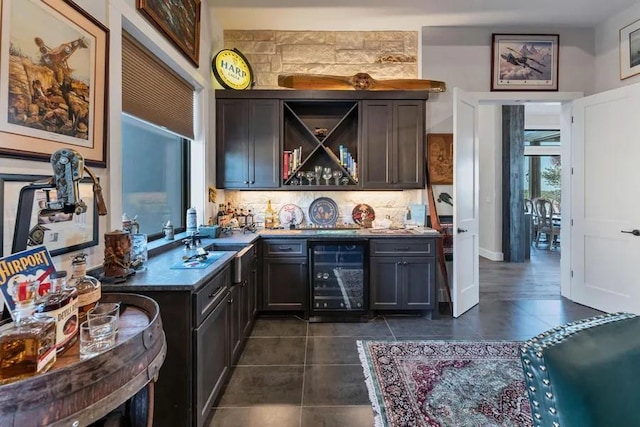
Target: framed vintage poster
x: 179, y: 21
x: 630, y: 50
x: 58, y: 232
x: 440, y: 158
x: 53, y: 81
x: 523, y: 62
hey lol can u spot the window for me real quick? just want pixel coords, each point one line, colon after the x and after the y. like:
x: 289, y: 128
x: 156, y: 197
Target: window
x: 542, y: 167
x: 154, y: 175
x: 157, y: 128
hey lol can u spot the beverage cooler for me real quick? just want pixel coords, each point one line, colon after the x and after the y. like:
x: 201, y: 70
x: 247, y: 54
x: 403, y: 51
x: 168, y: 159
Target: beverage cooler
x: 338, y: 280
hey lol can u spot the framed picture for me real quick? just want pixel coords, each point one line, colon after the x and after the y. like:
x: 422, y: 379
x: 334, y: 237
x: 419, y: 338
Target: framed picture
x: 440, y: 158
x: 53, y: 81
x: 521, y: 62
x: 58, y: 232
x: 178, y: 20
x: 630, y: 50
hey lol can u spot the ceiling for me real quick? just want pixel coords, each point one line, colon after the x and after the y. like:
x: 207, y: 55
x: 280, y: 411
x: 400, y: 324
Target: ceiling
x: 411, y: 14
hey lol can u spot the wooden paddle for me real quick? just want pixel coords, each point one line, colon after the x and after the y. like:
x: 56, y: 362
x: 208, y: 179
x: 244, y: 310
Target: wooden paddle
x: 360, y: 81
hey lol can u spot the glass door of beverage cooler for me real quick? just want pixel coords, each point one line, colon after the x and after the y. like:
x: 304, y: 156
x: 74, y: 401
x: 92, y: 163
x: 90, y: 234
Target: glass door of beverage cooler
x: 338, y: 276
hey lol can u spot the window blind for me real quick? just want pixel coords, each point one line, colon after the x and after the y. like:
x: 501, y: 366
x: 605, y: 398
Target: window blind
x: 152, y: 92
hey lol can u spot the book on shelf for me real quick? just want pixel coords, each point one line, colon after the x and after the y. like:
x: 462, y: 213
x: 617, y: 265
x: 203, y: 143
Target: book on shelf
x: 286, y: 159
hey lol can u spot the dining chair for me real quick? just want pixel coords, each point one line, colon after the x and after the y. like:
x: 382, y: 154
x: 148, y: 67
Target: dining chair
x: 546, y: 226
x: 529, y: 208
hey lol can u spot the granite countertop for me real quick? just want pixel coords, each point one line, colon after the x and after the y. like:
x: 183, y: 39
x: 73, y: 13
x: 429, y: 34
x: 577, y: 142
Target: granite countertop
x: 159, y: 276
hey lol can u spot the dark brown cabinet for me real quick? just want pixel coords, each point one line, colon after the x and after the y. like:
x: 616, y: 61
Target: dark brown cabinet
x: 402, y: 274
x: 247, y: 143
x: 372, y: 140
x: 392, y: 154
x: 284, y: 275
x: 211, y: 343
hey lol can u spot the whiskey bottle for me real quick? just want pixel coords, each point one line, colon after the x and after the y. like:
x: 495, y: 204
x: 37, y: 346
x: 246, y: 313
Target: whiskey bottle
x: 269, y: 216
x: 61, y: 304
x: 27, y: 348
x: 89, y: 288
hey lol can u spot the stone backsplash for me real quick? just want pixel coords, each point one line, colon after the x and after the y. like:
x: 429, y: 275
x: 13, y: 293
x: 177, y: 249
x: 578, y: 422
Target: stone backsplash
x: 392, y: 204
x: 383, y: 54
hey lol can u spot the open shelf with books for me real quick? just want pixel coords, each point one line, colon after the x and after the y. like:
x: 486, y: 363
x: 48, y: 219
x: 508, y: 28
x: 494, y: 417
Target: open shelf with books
x: 320, y: 144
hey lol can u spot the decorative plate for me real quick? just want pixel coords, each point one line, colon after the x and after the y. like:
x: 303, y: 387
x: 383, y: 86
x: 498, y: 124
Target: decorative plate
x: 323, y: 211
x: 291, y: 214
x: 361, y: 212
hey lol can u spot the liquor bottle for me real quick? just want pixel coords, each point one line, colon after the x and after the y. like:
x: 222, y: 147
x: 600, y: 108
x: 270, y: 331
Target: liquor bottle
x: 89, y: 288
x: 61, y: 304
x: 269, y: 216
x: 27, y: 348
x: 250, y: 218
x: 242, y: 218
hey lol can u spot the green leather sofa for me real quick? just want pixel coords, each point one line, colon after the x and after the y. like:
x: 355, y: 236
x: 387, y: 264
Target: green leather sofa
x: 585, y: 373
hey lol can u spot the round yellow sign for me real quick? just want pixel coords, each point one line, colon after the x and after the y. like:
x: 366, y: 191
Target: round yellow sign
x: 232, y: 70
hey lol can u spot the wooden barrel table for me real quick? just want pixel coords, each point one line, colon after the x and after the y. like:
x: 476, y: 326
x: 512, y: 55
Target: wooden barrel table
x: 78, y: 392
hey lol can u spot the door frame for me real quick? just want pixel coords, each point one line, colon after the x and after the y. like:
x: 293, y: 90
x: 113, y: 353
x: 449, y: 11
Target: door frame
x: 565, y: 99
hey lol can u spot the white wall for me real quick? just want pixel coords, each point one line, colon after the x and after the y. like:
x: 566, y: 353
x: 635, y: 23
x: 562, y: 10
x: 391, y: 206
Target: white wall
x: 461, y: 56
x: 490, y: 209
x: 607, y: 60
x: 114, y: 14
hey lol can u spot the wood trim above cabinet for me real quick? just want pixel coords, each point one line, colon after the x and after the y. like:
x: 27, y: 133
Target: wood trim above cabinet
x: 321, y: 94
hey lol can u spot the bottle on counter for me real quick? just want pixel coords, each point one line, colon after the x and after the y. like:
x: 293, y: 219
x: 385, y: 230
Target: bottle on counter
x: 61, y: 304
x: 250, y: 218
x: 89, y: 288
x: 192, y: 220
x: 242, y: 218
x: 269, y: 215
x: 27, y: 348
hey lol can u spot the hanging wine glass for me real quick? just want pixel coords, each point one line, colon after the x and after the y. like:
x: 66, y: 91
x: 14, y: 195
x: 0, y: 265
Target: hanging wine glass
x: 337, y: 174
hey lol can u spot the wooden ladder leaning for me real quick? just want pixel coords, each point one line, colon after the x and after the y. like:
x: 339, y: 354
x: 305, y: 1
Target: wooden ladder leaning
x: 435, y: 224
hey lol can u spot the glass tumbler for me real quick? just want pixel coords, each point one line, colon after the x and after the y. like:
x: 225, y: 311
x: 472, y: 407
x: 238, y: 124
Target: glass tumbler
x: 97, y: 335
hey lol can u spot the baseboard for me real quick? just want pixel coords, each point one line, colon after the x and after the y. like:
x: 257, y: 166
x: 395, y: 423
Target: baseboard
x: 493, y: 256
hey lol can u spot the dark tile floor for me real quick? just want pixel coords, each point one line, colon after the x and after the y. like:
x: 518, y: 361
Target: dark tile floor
x: 300, y: 374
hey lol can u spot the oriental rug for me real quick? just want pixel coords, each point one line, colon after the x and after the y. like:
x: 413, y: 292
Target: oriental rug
x: 445, y: 383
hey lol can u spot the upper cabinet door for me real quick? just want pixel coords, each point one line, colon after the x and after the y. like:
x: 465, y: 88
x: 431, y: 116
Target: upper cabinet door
x: 408, y: 136
x: 264, y: 147
x: 232, y: 143
x: 377, y: 144
x: 247, y: 143
x: 393, y: 144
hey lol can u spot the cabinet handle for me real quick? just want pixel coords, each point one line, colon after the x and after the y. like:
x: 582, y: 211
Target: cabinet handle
x: 401, y: 249
x: 246, y: 182
x: 244, y: 284
x: 405, y: 263
x: 399, y: 262
x: 230, y: 301
x: 252, y: 182
x: 216, y: 292
x: 304, y: 263
x: 285, y: 248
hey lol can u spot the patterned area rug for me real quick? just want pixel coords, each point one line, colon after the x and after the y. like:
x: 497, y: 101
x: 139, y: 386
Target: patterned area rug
x: 445, y: 383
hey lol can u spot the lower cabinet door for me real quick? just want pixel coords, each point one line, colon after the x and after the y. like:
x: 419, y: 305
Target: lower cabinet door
x: 385, y: 280
x: 236, y: 326
x: 419, y: 283
x: 285, y: 283
x: 211, y: 341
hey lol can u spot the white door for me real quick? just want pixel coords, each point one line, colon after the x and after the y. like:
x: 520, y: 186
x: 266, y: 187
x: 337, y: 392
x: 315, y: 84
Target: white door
x: 605, y: 257
x: 466, y: 286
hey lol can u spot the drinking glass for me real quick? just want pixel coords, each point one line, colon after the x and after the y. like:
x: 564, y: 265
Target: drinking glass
x: 337, y: 174
x: 311, y: 176
x: 105, y: 309
x: 326, y: 175
x: 301, y: 176
x: 97, y: 335
x: 318, y: 173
